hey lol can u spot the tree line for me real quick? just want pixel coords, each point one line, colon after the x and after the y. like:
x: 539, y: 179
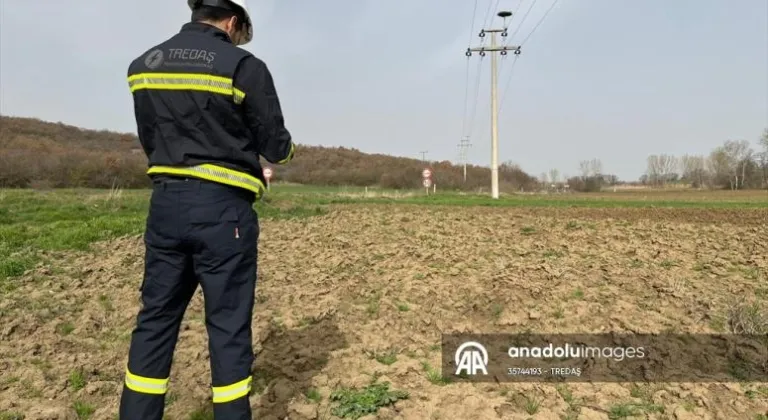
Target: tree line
x: 733, y: 165
x: 35, y: 153
x: 591, y: 178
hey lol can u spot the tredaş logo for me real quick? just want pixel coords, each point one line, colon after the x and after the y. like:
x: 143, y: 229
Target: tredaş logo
x: 471, y: 357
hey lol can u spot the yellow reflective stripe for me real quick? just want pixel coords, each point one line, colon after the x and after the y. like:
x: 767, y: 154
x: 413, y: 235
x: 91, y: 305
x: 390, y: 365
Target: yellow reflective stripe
x: 214, y: 173
x: 145, y: 385
x: 211, y: 77
x: 223, y: 394
x: 290, y: 155
x: 239, y: 95
x: 186, y: 81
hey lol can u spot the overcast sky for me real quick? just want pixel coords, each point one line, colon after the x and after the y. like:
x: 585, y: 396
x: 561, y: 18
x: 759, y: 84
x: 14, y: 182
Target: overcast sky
x: 610, y: 79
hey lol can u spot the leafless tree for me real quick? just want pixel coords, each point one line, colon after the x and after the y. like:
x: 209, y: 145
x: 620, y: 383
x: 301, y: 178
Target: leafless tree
x: 584, y: 169
x: 719, y: 166
x: 554, y: 176
x: 667, y: 165
x: 693, y: 169
x: 685, y: 165
x: 738, y: 153
x: 746, y: 160
x: 653, y: 170
x: 595, y: 167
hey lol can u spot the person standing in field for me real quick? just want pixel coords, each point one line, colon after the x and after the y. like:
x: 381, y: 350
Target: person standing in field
x: 206, y: 110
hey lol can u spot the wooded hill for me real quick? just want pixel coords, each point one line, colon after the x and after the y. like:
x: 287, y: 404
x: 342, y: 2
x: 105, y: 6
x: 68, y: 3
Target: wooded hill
x: 40, y: 154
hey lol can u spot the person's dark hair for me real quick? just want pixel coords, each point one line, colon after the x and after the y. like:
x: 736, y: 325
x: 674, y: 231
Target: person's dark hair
x: 216, y: 14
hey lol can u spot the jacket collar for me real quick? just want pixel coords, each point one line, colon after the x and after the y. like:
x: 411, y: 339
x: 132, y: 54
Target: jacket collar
x: 207, y: 29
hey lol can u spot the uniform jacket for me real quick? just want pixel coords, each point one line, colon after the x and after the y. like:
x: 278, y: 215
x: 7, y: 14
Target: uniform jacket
x: 208, y: 109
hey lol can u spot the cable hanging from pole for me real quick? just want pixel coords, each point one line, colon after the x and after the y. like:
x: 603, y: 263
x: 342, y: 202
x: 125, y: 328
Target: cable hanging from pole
x: 472, y: 24
x: 509, y: 78
x: 466, y: 101
x: 525, y: 16
x: 486, y: 23
x: 514, y: 13
x: 507, y: 39
x: 466, y: 82
x: 495, y: 7
x: 477, y: 96
x: 554, y: 3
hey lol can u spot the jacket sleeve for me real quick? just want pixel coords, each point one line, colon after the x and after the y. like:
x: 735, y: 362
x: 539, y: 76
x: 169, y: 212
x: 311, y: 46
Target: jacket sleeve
x: 262, y: 112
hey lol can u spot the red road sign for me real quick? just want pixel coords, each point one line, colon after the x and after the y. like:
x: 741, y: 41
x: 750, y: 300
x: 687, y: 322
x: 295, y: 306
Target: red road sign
x: 267, y: 173
x: 426, y: 173
x: 427, y: 182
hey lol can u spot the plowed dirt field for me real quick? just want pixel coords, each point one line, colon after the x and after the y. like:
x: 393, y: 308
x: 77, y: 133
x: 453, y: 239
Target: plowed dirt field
x: 367, y: 290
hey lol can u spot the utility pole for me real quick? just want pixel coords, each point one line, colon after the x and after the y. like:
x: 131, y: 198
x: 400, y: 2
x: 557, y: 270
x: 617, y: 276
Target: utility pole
x: 423, y: 156
x: 493, y: 49
x: 463, y: 146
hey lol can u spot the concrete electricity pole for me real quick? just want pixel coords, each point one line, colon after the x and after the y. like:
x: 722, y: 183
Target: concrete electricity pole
x: 493, y: 49
x: 463, y: 146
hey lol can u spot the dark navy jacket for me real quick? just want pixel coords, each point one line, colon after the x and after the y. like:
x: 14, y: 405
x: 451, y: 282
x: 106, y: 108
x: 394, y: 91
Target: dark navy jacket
x: 208, y: 109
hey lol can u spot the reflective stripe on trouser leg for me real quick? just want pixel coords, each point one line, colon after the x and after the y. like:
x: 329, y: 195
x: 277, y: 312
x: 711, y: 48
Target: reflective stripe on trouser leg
x: 224, y: 394
x: 169, y: 284
x: 145, y: 385
x: 225, y: 236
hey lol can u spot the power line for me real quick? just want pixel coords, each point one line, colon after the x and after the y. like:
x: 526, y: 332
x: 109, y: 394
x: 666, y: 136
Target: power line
x: 493, y: 49
x: 487, y: 13
x: 486, y: 23
x: 518, y: 49
x: 477, y: 96
x: 514, y: 13
x: 466, y: 101
x: 479, y: 64
x: 540, y: 20
x: 509, y: 78
x: 472, y: 119
x: 463, y: 146
x: 525, y: 16
x: 472, y: 23
x: 507, y: 39
x: 466, y: 82
x: 495, y: 7
x: 519, y: 25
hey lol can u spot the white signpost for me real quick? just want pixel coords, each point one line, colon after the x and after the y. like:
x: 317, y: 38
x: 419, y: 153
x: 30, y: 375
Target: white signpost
x: 427, y: 175
x: 268, y: 176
